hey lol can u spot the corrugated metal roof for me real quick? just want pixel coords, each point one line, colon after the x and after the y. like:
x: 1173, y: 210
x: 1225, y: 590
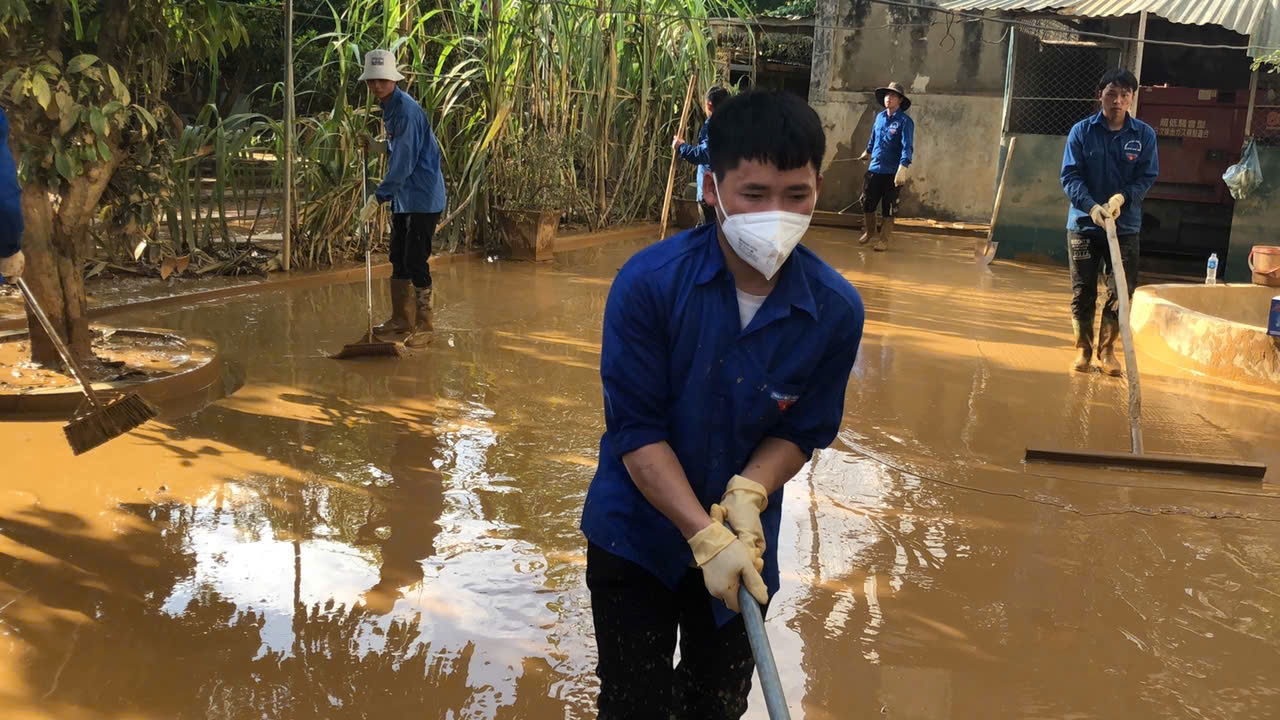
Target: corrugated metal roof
x: 1259, y: 19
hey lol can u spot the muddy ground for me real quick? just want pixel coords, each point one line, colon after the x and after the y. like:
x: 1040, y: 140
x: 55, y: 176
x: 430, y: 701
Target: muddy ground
x: 395, y: 538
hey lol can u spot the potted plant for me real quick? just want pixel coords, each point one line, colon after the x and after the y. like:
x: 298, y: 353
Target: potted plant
x: 533, y: 185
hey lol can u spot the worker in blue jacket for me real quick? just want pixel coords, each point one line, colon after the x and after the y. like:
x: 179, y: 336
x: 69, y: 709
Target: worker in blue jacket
x: 1109, y: 164
x: 700, y: 154
x: 889, y: 149
x: 414, y: 185
x: 12, y: 261
x: 725, y: 357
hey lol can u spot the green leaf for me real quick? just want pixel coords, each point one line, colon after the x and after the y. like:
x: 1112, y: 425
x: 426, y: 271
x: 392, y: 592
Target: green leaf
x: 80, y: 62
x: 104, y: 152
x: 98, y: 121
x: 65, y: 103
x: 112, y: 108
x: 146, y: 116
x: 122, y: 92
x: 19, y: 91
x: 9, y: 77
x: 40, y: 88
x: 64, y: 166
x: 69, y: 119
x: 91, y: 153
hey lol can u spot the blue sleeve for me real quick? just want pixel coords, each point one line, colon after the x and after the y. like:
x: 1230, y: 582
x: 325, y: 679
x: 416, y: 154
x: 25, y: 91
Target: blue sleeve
x: 871, y: 140
x: 908, y: 141
x: 10, y: 196
x: 409, y: 130
x: 698, y: 154
x: 1146, y: 170
x: 812, y: 423
x: 633, y: 364
x: 1073, y: 173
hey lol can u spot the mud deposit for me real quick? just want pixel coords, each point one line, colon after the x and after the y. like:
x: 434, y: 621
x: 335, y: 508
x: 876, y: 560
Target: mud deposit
x: 395, y: 538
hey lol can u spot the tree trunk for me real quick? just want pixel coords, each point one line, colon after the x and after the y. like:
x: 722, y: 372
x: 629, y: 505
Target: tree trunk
x: 55, y: 246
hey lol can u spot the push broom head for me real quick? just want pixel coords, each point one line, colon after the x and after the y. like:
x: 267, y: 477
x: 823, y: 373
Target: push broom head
x: 88, y: 430
x: 368, y: 346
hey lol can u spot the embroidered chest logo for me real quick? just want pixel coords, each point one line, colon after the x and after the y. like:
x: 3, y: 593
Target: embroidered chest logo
x: 1132, y: 150
x: 783, y: 400
x: 893, y: 129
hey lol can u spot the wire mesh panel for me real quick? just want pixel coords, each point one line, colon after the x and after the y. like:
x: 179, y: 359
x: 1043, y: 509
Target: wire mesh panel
x: 1266, y: 110
x: 1055, y: 77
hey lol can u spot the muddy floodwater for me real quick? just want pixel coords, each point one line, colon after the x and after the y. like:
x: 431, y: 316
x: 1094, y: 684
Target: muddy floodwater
x: 389, y: 539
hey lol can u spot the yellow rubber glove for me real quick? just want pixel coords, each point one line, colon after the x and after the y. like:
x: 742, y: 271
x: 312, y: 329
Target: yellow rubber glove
x: 11, y: 267
x: 369, y: 210
x: 726, y: 562
x: 900, y: 178
x: 1114, y: 204
x: 743, y: 501
x: 1099, y: 215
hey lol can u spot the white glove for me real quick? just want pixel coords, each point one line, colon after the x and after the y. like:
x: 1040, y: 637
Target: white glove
x: 900, y: 178
x: 370, y: 209
x: 371, y: 146
x: 1099, y: 215
x: 864, y: 156
x: 11, y: 267
x: 1114, y: 204
x: 726, y: 562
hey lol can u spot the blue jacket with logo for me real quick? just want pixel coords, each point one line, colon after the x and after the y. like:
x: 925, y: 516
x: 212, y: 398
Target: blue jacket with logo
x: 1099, y: 162
x: 677, y: 367
x: 891, y: 143
x: 10, y: 196
x: 699, y: 154
x: 414, y: 182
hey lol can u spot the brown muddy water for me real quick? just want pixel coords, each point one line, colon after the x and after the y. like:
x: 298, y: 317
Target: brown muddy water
x: 392, y: 538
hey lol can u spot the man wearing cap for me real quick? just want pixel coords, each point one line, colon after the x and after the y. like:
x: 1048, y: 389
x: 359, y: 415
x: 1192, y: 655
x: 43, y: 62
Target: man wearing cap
x: 414, y: 185
x: 889, y: 149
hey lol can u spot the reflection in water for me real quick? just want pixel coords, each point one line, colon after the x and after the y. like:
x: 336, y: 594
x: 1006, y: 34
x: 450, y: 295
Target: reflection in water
x: 399, y: 538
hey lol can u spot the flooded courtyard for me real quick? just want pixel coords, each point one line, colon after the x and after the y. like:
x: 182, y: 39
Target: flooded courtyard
x: 386, y: 538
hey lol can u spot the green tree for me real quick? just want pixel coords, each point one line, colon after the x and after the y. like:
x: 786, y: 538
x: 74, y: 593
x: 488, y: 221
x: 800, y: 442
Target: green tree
x: 82, y: 83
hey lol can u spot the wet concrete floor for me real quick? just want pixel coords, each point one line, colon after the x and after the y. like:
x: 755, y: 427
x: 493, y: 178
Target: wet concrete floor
x: 393, y: 538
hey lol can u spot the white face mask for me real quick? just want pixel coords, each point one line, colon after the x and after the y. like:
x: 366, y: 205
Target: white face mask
x: 764, y: 240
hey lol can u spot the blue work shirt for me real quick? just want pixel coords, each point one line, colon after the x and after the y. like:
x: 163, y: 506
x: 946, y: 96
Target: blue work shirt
x: 892, y: 142
x: 10, y: 196
x: 1099, y: 162
x: 413, y: 182
x: 699, y: 154
x: 677, y: 368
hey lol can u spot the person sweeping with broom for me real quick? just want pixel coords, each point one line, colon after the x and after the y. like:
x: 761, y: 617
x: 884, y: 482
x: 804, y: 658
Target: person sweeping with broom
x: 889, y: 149
x: 725, y: 357
x: 1108, y: 165
x: 700, y: 154
x: 414, y: 185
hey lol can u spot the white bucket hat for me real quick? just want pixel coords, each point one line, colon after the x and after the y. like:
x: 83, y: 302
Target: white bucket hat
x: 380, y: 65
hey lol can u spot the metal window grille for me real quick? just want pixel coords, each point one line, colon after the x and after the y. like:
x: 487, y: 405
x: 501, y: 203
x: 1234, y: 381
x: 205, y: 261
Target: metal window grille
x: 1055, y: 77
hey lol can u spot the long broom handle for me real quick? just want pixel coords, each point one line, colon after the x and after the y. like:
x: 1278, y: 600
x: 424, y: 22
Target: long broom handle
x: 56, y: 339
x: 364, y: 231
x: 770, y: 683
x: 671, y: 171
x: 1126, y: 337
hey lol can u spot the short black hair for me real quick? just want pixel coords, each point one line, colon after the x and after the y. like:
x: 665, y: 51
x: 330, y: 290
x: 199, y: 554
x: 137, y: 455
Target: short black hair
x: 716, y: 96
x: 1119, y: 77
x: 775, y: 127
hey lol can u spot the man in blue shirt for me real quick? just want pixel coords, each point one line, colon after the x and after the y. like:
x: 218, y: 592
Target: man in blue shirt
x: 1108, y: 166
x: 726, y: 353
x: 889, y: 148
x: 414, y: 185
x: 12, y: 261
x: 700, y: 154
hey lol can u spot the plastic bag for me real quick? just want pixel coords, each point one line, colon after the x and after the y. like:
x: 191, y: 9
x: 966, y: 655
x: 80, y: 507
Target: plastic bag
x: 1245, y: 176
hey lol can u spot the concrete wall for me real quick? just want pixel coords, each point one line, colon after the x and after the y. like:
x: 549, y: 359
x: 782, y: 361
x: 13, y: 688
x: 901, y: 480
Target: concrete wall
x: 1032, y: 224
x: 1256, y: 219
x: 954, y: 73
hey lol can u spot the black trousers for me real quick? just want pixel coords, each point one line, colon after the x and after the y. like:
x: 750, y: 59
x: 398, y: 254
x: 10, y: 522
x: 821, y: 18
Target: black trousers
x: 878, y: 189
x: 1088, y: 256
x: 411, y: 236
x: 708, y: 214
x: 636, y: 617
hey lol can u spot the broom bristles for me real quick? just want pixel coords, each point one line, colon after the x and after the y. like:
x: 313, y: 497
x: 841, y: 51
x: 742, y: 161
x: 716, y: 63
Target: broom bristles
x: 88, y: 431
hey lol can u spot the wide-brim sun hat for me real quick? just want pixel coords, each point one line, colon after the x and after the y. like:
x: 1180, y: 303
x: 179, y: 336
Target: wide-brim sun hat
x: 380, y: 65
x: 893, y: 87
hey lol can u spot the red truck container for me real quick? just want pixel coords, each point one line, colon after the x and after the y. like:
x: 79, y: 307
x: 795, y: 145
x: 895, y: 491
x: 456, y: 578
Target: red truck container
x: 1200, y: 133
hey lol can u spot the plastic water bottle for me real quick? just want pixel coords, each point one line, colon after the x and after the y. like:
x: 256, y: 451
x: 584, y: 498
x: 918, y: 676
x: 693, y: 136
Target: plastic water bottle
x: 1211, y: 273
